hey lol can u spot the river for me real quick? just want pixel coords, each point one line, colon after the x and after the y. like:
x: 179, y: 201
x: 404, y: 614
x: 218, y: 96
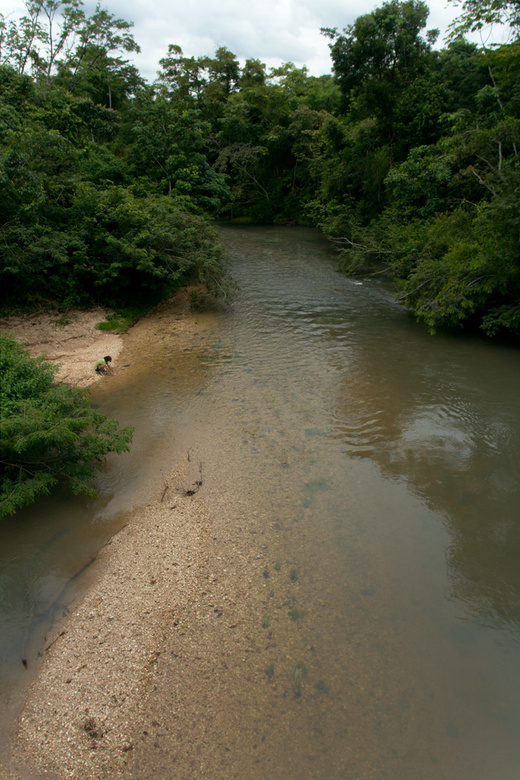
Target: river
x: 381, y: 466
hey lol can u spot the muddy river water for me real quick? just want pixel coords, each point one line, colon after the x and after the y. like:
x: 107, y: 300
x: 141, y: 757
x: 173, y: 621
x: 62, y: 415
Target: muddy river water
x: 381, y: 466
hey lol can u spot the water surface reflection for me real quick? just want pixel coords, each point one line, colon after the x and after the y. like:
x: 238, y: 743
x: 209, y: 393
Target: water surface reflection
x: 445, y: 417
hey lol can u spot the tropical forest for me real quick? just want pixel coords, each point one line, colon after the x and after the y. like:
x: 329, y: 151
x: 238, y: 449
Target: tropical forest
x: 111, y: 188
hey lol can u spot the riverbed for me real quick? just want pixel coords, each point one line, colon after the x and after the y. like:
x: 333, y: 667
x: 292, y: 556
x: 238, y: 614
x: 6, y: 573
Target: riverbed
x: 321, y: 511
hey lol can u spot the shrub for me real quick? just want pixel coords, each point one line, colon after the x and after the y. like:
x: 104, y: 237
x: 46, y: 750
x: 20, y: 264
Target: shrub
x: 49, y: 433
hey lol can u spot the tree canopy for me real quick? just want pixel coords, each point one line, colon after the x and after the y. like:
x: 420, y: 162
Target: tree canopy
x: 406, y: 157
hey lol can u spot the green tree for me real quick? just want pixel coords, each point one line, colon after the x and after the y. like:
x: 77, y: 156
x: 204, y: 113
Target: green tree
x: 477, y: 14
x: 71, y: 231
x: 266, y: 143
x: 253, y: 74
x: 319, y: 93
x: 382, y: 46
x: 464, y: 72
x: 378, y: 56
x: 168, y: 144
x: 49, y: 433
x: 20, y: 41
x: 138, y: 247
x: 184, y: 78
x: 224, y: 69
x: 56, y: 37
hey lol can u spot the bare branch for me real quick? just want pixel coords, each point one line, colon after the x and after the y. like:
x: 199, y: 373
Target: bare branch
x: 481, y: 180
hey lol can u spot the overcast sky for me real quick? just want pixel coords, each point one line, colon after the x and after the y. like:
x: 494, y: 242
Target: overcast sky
x: 273, y: 31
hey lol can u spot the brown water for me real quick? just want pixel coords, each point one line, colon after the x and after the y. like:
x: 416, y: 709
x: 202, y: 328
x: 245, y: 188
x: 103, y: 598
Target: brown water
x: 380, y: 464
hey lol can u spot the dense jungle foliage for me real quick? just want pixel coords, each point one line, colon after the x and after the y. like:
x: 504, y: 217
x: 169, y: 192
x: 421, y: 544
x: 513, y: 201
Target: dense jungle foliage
x: 407, y: 157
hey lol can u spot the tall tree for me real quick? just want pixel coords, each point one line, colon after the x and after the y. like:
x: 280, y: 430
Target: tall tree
x: 55, y: 36
x: 378, y: 57
x: 382, y: 46
x: 184, y: 78
x: 167, y: 144
x: 477, y: 14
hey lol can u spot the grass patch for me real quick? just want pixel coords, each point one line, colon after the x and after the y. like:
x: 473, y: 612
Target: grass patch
x: 123, y: 319
x: 296, y: 672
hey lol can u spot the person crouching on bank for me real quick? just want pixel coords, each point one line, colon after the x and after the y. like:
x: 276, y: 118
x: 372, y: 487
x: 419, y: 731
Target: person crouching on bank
x: 102, y: 366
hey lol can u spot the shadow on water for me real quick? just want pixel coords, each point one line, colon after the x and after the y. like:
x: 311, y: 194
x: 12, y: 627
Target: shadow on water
x: 443, y: 415
x: 44, y: 550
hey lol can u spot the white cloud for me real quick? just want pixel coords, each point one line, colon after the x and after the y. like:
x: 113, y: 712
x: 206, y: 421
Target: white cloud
x: 273, y: 31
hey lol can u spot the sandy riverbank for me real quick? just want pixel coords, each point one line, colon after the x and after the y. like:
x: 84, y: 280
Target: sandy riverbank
x: 71, y: 340
x: 175, y: 663
x: 83, y: 709
x: 163, y: 662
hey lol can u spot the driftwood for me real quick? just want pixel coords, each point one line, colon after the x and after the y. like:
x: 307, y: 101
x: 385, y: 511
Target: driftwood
x: 190, y: 491
x: 196, y: 485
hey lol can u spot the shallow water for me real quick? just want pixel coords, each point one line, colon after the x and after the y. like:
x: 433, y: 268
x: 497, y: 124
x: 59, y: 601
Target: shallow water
x: 46, y: 549
x: 381, y: 464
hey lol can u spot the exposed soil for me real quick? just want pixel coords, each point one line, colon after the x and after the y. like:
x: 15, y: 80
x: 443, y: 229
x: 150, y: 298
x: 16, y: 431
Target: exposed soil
x: 155, y: 664
x: 166, y: 666
x: 90, y: 689
x: 71, y: 340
